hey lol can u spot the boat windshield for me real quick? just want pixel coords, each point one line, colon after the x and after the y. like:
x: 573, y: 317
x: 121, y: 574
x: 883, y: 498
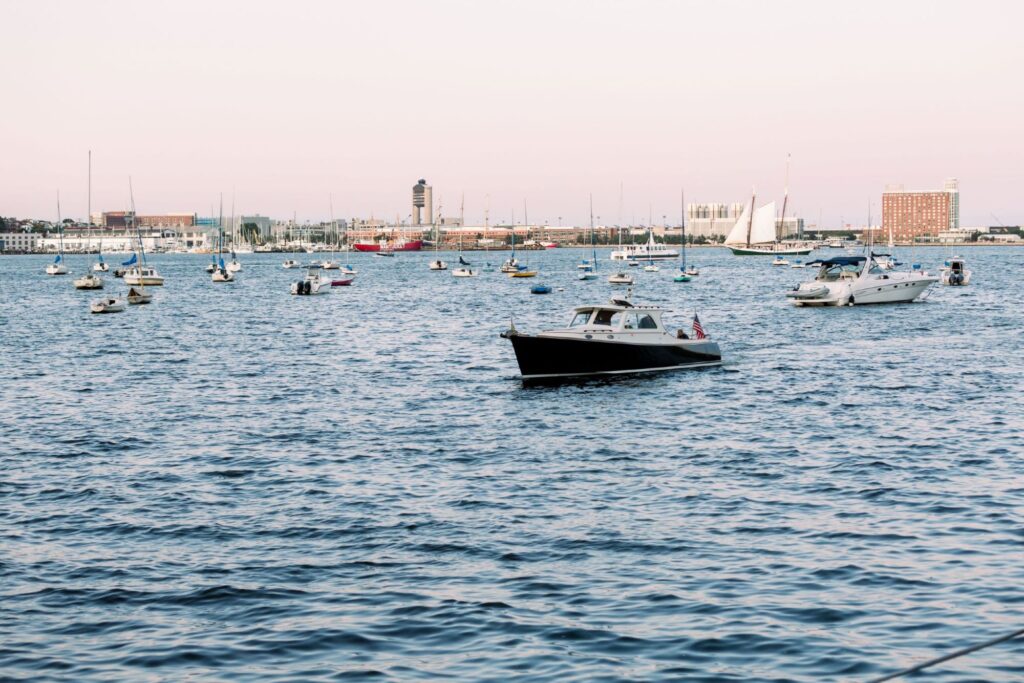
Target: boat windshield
x: 639, y: 321
x: 608, y: 317
x: 580, y: 318
x: 831, y: 273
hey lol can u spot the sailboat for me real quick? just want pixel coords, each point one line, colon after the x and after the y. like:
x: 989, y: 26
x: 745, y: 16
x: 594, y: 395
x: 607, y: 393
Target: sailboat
x: 437, y: 263
x: 139, y: 272
x: 212, y: 265
x: 234, y: 266
x: 588, y: 271
x: 100, y: 266
x: 512, y: 265
x: 90, y: 280
x: 755, y: 233
x: 331, y: 263
x: 137, y: 294
x: 464, y: 269
x: 58, y: 267
x: 222, y: 273
x: 650, y: 267
x: 684, y: 272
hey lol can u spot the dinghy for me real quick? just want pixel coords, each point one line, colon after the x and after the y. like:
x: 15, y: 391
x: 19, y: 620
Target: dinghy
x: 107, y: 306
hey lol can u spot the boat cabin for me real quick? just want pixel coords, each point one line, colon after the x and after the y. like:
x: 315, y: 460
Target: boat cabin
x: 617, y: 317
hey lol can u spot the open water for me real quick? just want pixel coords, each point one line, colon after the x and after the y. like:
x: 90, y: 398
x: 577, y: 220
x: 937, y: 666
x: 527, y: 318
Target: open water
x: 237, y: 484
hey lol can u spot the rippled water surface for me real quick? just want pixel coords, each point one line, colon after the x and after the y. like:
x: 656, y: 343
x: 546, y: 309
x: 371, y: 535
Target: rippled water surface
x: 234, y: 483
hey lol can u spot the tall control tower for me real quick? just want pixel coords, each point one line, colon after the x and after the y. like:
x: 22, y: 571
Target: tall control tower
x: 422, y: 199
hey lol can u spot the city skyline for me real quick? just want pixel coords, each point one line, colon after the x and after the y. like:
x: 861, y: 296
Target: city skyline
x: 514, y: 102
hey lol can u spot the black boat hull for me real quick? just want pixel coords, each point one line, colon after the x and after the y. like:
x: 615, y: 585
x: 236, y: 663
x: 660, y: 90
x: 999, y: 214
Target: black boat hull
x: 545, y: 358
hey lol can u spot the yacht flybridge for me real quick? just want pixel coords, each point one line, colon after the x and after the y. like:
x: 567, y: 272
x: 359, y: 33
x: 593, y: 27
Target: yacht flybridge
x: 610, y: 339
x: 849, y: 280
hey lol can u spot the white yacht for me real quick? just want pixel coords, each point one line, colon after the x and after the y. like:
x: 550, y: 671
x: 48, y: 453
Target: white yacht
x: 955, y: 273
x: 646, y: 251
x: 849, y: 280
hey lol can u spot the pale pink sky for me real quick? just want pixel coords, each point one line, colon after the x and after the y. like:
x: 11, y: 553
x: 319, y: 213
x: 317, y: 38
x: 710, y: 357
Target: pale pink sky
x: 545, y: 101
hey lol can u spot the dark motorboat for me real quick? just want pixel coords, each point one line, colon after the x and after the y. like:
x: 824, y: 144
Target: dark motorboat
x: 611, y: 339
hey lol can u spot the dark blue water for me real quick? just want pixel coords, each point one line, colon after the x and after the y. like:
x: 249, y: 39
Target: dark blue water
x: 238, y: 484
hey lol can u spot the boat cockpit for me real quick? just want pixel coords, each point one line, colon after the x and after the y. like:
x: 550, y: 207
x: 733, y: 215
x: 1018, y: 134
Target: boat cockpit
x: 842, y: 268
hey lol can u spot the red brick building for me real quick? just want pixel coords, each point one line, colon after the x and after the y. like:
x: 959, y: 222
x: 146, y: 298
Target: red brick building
x: 915, y: 215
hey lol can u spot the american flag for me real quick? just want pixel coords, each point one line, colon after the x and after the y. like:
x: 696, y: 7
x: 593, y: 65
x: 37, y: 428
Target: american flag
x: 698, y: 330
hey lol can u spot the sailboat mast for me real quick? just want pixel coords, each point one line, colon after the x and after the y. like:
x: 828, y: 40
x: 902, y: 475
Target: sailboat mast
x: 785, y: 199
x: 750, y: 218
x: 682, y: 228
x: 60, y: 230
x: 593, y: 245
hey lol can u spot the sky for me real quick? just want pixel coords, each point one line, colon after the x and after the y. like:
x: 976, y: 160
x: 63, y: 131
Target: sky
x: 289, y: 107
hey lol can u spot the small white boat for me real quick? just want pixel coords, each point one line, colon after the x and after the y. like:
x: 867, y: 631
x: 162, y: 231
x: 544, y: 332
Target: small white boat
x: 145, y: 275
x: 691, y: 271
x: 314, y: 283
x: 210, y: 267
x: 650, y: 268
x: 290, y: 263
x: 465, y: 272
x: 234, y: 266
x: 100, y: 267
x: 955, y: 273
x: 510, y: 266
x: 57, y: 268
x: 798, y: 264
x: 138, y: 296
x: 222, y: 275
x: 587, y: 275
x: 330, y: 265
x: 89, y: 281
x: 107, y: 306
x: 620, y: 279
x: 438, y: 264
x: 780, y: 261
x: 348, y: 270
x: 634, y: 263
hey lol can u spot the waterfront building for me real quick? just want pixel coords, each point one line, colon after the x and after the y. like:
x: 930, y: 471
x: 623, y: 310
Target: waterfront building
x: 119, y: 220
x: 716, y: 220
x: 920, y: 216
x: 18, y: 241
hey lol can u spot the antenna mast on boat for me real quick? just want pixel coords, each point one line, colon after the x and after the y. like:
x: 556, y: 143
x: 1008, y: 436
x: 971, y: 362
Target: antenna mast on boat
x: 682, y: 227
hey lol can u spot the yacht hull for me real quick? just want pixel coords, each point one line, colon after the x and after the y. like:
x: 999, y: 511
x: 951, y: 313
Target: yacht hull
x: 413, y: 245
x: 546, y: 358
x: 770, y: 251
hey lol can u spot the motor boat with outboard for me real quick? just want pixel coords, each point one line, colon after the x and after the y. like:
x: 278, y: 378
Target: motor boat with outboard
x: 111, y: 305
x: 347, y: 269
x: 524, y: 273
x: 465, y: 272
x: 438, y: 264
x: 610, y: 339
x: 315, y: 282
x: 540, y: 289
x: 780, y: 261
x: 955, y: 273
x: 290, y: 263
x: 89, y: 281
x: 849, y: 280
x: 620, y: 278
x: 510, y: 265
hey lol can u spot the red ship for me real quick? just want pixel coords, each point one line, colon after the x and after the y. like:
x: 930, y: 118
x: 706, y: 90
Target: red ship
x: 411, y: 245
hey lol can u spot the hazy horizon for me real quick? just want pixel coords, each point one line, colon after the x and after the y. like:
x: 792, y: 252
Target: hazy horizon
x: 512, y: 101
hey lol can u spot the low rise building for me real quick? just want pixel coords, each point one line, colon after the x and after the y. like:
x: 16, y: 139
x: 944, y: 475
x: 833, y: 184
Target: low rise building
x: 18, y: 242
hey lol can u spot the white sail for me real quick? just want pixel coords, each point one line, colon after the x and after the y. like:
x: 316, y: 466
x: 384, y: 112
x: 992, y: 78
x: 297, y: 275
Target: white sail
x: 763, y: 228
x: 738, y: 234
